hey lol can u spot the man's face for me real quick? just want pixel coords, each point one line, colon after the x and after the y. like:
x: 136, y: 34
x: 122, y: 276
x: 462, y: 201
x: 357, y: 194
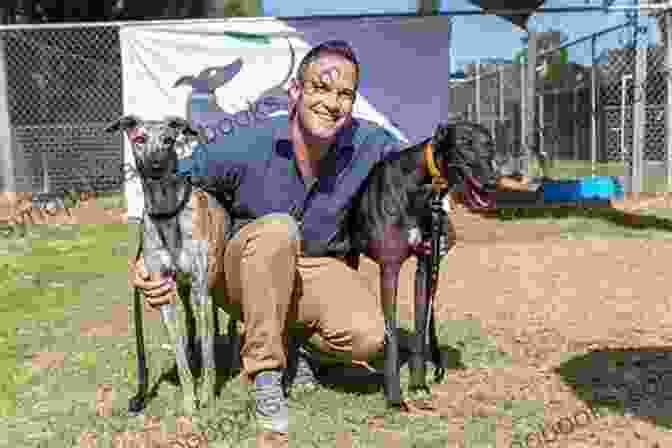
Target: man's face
x: 324, y: 102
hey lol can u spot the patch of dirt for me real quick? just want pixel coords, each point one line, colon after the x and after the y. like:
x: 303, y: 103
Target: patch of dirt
x: 47, y: 360
x: 639, y: 201
x: 473, y: 228
x: 18, y: 207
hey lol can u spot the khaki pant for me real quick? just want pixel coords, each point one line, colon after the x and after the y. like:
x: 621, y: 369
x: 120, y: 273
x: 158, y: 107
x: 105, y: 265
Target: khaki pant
x: 272, y: 288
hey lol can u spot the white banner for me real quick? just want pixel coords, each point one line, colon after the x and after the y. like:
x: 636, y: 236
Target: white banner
x: 156, y: 57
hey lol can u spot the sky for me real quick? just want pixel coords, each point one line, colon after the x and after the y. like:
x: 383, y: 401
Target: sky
x: 478, y: 37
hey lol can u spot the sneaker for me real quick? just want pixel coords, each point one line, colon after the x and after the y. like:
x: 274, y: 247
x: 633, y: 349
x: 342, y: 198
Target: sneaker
x: 272, y: 412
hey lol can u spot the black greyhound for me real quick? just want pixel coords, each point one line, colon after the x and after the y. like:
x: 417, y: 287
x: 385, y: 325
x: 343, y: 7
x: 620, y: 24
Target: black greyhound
x: 399, y: 203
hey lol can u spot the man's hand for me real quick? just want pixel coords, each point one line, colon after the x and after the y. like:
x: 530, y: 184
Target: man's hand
x: 425, y: 248
x: 447, y: 240
x: 158, y: 291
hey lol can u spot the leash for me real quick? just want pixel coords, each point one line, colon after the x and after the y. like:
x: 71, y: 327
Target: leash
x: 439, y: 189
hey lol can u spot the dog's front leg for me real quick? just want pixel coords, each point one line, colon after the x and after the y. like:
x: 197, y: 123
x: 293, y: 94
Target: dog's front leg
x: 203, y: 312
x: 419, y: 348
x: 389, y: 280
x: 178, y: 338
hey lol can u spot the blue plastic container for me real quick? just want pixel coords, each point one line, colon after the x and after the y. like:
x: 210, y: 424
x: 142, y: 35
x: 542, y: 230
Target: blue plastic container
x: 585, y: 188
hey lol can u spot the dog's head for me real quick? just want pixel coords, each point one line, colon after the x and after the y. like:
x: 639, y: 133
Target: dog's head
x: 466, y: 153
x: 155, y: 143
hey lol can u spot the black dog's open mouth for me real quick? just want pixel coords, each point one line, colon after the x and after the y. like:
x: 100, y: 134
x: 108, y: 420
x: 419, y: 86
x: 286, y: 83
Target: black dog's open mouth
x: 476, y: 195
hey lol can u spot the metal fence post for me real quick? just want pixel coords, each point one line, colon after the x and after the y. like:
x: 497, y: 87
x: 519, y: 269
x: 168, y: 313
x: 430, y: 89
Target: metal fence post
x: 477, y: 94
x: 557, y: 127
x: 575, y: 125
x: 532, y: 132
x: 7, y: 175
x: 500, y: 92
x: 540, y: 127
x: 668, y: 108
x: 639, y: 120
x: 450, y: 48
x: 523, y: 118
x: 593, y: 109
x: 501, y: 133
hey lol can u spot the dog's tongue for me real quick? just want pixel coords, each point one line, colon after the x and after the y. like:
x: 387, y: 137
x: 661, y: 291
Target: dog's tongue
x: 475, y: 195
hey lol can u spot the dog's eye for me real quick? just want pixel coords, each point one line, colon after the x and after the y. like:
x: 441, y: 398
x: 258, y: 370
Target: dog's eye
x: 140, y: 139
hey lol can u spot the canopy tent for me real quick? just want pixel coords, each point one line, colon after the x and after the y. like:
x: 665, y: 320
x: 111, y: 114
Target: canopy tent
x: 225, y: 66
x: 526, y: 8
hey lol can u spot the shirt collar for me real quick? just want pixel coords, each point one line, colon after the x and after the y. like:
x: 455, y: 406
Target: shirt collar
x: 283, y: 145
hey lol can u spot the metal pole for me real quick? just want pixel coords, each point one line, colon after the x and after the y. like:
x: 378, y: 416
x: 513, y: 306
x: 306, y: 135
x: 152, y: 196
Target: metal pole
x: 451, y: 12
x: 639, y: 119
x: 7, y: 174
x: 624, y: 86
x: 575, y: 125
x: 477, y: 94
x: 668, y: 109
x: 523, y: 118
x: 500, y: 91
x: 557, y: 134
x: 450, y: 49
x: 532, y: 134
x: 501, y: 140
x: 541, y: 121
x: 593, y: 110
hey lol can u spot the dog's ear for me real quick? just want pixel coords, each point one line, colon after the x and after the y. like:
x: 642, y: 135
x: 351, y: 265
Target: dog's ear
x: 123, y: 124
x: 182, y: 125
x: 445, y: 134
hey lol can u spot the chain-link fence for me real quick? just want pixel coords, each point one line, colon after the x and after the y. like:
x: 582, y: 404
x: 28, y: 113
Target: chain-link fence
x: 63, y: 86
x: 625, y: 111
x: 492, y: 96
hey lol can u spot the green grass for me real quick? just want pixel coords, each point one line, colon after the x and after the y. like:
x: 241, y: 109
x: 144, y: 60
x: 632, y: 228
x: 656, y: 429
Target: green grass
x: 55, y: 278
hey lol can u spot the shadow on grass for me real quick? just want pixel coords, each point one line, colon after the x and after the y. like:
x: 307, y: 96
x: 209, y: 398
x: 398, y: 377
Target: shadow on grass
x: 351, y: 379
x: 339, y: 377
x: 634, y: 381
x: 224, y: 368
x: 610, y: 215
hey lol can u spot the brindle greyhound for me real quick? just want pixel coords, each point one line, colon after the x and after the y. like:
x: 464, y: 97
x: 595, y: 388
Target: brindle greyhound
x: 184, y: 232
x: 395, y: 208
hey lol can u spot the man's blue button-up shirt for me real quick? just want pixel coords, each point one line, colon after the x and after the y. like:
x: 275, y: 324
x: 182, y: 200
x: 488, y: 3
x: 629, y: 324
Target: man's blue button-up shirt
x: 270, y: 182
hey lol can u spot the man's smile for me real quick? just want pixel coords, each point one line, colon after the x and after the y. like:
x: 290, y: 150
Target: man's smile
x: 328, y: 118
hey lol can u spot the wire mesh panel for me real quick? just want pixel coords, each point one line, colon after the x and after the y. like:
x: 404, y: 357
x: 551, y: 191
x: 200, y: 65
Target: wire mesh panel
x: 462, y: 97
x: 656, y: 92
x: 617, y: 91
x: 64, y: 85
x: 565, y: 114
x: 488, y: 99
x: 492, y: 98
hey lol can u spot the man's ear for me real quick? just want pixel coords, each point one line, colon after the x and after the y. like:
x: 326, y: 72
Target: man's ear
x: 293, y: 94
x: 294, y: 90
